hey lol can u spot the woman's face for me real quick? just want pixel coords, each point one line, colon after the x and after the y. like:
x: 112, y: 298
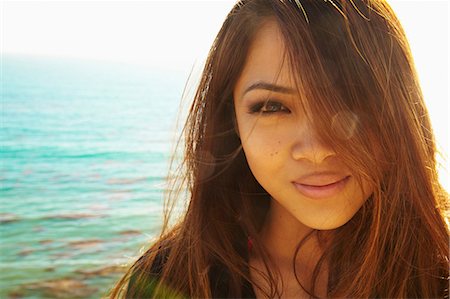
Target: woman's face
x: 302, y: 175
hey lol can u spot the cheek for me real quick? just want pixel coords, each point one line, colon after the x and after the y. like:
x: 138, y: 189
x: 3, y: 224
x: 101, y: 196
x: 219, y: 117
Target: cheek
x: 261, y: 147
x: 265, y: 155
x: 367, y: 190
x: 356, y: 198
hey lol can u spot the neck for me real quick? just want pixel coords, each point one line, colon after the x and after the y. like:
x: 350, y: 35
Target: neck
x: 281, y: 234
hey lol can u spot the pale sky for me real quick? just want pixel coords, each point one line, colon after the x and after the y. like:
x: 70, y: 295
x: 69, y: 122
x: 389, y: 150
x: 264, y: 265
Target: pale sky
x: 177, y: 34
x: 149, y: 32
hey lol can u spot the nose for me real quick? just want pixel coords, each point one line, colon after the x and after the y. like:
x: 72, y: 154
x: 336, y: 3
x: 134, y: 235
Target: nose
x: 307, y: 146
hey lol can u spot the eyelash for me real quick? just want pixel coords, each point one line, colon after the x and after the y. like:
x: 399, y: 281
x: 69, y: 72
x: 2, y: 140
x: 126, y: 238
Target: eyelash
x: 259, y: 107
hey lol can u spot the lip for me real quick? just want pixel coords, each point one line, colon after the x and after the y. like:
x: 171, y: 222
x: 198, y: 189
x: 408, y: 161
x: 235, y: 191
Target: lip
x: 321, y: 189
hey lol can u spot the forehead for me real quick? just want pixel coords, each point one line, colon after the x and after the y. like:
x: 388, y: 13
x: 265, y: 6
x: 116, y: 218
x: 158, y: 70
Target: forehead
x: 266, y: 60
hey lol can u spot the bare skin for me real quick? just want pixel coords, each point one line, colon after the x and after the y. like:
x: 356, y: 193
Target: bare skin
x: 280, y: 235
x: 278, y: 140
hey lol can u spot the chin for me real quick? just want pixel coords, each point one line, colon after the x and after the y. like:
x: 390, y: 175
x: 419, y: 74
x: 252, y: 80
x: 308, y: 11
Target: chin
x: 327, y: 223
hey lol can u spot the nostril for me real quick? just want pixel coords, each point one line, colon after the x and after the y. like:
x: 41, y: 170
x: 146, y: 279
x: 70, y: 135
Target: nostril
x: 316, y: 154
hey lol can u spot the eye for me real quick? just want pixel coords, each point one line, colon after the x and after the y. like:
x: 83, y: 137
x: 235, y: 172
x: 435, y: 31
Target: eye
x: 268, y: 107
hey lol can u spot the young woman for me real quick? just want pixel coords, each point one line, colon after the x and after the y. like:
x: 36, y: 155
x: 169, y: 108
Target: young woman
x: 309, y: 162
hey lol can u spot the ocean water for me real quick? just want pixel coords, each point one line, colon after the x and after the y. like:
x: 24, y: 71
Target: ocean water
x: 84, y: 154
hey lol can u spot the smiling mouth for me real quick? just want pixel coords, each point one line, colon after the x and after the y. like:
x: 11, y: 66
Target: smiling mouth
x: 322, y: 191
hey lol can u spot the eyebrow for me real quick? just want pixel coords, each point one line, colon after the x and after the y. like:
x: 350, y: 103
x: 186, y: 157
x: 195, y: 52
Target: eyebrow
x: 268, y: 86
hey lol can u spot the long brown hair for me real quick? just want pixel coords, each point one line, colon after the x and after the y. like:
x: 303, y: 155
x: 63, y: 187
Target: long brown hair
x: 352, y: 63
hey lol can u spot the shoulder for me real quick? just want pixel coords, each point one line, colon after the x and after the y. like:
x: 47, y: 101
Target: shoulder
x: 146, y: 272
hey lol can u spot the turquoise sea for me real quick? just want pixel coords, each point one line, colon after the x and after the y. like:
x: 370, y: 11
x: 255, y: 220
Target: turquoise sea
x: 84, y: 156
